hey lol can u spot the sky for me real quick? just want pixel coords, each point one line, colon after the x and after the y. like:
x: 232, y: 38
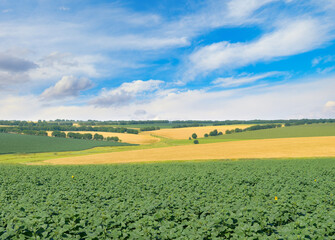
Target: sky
x: 167, y: 59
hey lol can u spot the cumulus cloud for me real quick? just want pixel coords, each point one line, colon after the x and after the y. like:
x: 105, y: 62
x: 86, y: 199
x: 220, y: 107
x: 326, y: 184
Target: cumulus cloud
x: 289, y: 39
x: 68, y: 86
x: 14, y: 64
x: 126, y: 93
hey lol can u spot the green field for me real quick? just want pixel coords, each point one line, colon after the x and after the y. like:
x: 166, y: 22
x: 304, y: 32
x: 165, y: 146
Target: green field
x: 16, y: 143
x: 312, y: 130
x: 194, y: 200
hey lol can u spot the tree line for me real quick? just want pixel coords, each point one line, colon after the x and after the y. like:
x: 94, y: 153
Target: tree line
x: 64, y: 122
x: 151, y: 128
x: 86, y: 136
x: 253, y: 128
x: 19, y: 129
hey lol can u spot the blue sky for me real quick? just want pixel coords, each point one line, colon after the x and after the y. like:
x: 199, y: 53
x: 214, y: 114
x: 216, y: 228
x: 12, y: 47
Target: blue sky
x: 234, y: 59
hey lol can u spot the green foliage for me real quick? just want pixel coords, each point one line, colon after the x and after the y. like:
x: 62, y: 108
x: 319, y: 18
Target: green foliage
x: 58, y: 134
x: 237, y: 130
x: 87, y: 136
x: 151, y: 128
x: 259, y: 127
x: 41, y: 133
x: 63, y: 127
x: 98, y: 137
x: 17, y: 143
x: 213, y: 133
x: 115, y: 139
x: 196, y: 141
x: 206, y: 135
x: 204, y: 200
x: 194, y: 136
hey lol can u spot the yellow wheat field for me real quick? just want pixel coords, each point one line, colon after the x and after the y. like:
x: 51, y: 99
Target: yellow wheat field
x: 264, y: 148
x: 125, y: 137
x: 185, y: 133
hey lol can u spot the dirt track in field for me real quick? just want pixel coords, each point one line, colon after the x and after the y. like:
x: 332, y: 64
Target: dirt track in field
x: 185, y: 133
x: 264, y: 148
x: 125, y: 137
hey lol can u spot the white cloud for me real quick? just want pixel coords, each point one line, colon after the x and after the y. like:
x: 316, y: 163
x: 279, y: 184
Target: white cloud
x: 12, y: 80
x: 243, y: 79
x: 64, y: 8
x: 138, y: 42
x: 126, y: 93
x: 325, y: 70
x: 216, y: 14
x: 330, y: 105
x: 57, y: 64
x: 68, y: 86
x: 289, y: 39
x: 322, y: 60
x: 244, y: 8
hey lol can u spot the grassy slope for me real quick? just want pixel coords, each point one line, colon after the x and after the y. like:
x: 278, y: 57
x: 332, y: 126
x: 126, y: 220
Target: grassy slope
x: 313, y: 130
x: 16, y: 143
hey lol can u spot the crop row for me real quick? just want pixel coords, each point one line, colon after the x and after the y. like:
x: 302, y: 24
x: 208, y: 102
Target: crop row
x: 256, y: 199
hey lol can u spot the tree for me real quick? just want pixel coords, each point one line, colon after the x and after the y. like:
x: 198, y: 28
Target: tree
x: 114, y: 139
x: 87, y: 136
x: 206, y: 135
x: 58, y: 134
x: 196, y: 142
x: 213, y: 133
x: 194, y: 136
x: 98, y: 137
x: 229, y: 131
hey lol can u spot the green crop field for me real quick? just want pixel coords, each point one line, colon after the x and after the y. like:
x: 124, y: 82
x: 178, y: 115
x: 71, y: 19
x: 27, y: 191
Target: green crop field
x: 312, y: 130
x: 254, y: 199
x: 16, y: 143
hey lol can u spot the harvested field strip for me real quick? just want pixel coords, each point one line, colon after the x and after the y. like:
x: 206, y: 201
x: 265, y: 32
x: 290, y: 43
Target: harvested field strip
x: 125, y: 137
x: 265, y: 148
x: 185, y: 133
